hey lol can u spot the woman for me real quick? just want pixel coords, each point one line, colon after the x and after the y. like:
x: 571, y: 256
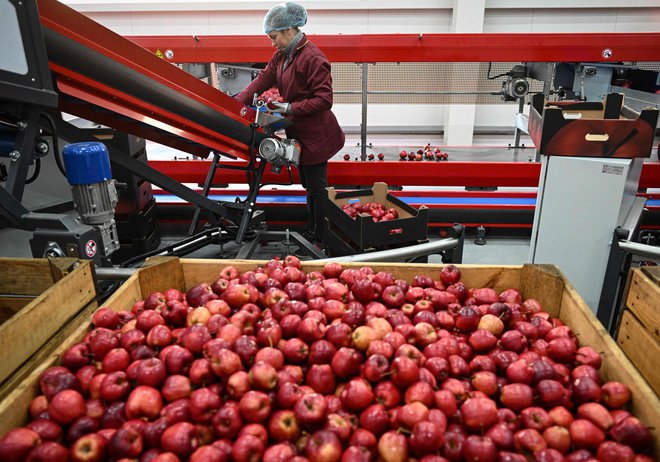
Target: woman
x: 301, y: 73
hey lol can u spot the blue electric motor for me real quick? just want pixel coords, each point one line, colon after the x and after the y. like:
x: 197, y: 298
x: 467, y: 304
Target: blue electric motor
x: 87, y: 168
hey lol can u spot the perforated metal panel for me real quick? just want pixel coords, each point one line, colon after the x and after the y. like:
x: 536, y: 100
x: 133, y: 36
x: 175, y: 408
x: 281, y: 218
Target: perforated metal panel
x: 433, y: 83
x: 424, y: 83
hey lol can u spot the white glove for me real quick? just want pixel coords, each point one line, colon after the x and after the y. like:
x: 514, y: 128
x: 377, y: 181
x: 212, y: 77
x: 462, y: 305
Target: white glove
x: 284, y: 108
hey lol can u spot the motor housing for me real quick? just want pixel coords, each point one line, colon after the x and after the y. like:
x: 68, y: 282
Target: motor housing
x: 94, y: 194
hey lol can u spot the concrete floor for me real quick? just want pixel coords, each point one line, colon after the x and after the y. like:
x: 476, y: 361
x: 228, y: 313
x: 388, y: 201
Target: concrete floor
x: 496, y: 251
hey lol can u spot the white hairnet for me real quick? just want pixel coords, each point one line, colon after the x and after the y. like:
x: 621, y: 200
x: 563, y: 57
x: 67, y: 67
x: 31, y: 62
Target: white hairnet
x: 283, y: 16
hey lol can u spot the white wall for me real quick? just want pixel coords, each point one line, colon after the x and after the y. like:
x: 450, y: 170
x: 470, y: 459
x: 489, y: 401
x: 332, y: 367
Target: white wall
x: 222, y: 17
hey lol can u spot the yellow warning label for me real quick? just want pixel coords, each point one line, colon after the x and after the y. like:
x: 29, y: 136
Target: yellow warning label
x: 159, y: 53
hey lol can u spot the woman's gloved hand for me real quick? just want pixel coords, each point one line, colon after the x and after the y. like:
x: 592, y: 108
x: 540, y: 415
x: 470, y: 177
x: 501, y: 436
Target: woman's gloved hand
x: 284, y: 108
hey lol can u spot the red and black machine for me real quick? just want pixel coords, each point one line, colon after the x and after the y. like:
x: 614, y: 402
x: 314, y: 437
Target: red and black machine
x: 69, y: 64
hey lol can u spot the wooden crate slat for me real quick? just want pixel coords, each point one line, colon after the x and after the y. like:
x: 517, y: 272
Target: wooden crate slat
x: 9, y: 306
x: 15, y: 404
x: 641, y: 347
x: 546, y: 284
x: 20, y: 276
x: 160, y: 274
x: 499, y: 278
x: 644, y: 300
x: 33, y: 325
x: 43, y: 353
x: 616, y: 366
x: 653, y: 273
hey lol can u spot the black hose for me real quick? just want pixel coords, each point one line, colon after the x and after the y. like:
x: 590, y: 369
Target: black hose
x: 170, y: 248
x: 37, y: 169
x: 56, y: 143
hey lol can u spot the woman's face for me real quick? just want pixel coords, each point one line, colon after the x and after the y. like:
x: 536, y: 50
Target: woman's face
x: 281, y: 38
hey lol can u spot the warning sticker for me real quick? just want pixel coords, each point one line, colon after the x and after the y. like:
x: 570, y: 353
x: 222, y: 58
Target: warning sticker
x: 613, y: 169
x: 90, y: 248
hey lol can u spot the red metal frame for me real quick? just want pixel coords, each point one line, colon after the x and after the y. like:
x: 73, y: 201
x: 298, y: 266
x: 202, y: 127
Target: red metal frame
x: 75, y: 26
x: 418, y: 47
x: 502, y: 174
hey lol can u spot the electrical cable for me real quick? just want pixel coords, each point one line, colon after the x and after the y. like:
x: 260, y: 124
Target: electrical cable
x: 8, y: 124
x: 495, y: 76
x: 56, y: 143
x: 37, y: 169
x: 170, y: 247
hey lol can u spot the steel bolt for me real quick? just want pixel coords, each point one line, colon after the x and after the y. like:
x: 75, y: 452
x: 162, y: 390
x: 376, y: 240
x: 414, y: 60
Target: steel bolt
x: 21, y: 125
x: 42, y: 148
x: 15, y: 156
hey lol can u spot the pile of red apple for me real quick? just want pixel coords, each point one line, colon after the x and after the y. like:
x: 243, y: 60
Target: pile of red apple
x: 377, y: 211
x: 271, y: 95
x: 426, y: 153
x: 340, y: 365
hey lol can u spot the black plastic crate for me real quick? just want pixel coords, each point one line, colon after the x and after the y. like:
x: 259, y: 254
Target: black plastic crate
x: 340, y: 245
x: 365, y: 233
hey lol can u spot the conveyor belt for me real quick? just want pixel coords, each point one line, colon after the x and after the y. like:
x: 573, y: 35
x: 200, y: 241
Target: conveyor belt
x: 108, y: 79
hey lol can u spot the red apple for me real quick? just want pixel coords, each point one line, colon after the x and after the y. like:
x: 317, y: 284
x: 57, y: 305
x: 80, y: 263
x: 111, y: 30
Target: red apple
x: 479, y: 414
x: 255, y: 406
x: 357, y: 394
x: 89, y: 448
x: 16, y: 444
x: 227, y: 422
x: 204, y: 403
x: 66, y: 406
x: 393, y: 447
x: 321, y: 378
x: 558, y: 438
x: 585, y: 434
x: 283, y: 426
x: 426, y: 438
x: 180, y: 438
x: 609, y: 451
x: 479, y: 449
x: 126, y: 442
x: 311, y: 409
x: 615, y: 394
x: 516, y: 396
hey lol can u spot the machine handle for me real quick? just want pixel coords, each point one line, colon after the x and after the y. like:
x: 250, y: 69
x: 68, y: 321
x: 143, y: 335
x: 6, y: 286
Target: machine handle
x: 601, y: 137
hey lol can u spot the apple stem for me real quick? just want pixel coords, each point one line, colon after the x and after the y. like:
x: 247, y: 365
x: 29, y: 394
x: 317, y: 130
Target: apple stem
x: 404, y: 430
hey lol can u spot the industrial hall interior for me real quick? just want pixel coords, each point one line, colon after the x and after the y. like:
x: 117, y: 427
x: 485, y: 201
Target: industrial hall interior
x: 329, y: 230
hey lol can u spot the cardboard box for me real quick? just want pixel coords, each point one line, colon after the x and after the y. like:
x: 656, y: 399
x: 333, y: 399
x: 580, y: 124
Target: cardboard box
x: 363, y: 232
x: 590, y: 129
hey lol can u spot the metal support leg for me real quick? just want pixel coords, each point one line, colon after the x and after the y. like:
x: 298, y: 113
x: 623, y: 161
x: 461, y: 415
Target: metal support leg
x: 21, y: 157
x: 363, y: 125
x: 455, y: 255
x: 250, y: 202
x: 610, y: 296
x: 246, y: 251
x: 517, y: 130
x: 205, y: 191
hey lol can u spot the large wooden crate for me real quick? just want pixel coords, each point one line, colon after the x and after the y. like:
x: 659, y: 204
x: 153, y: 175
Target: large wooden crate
x: 638, y: 334
x: 543, y: 282
x: 38, y: 297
